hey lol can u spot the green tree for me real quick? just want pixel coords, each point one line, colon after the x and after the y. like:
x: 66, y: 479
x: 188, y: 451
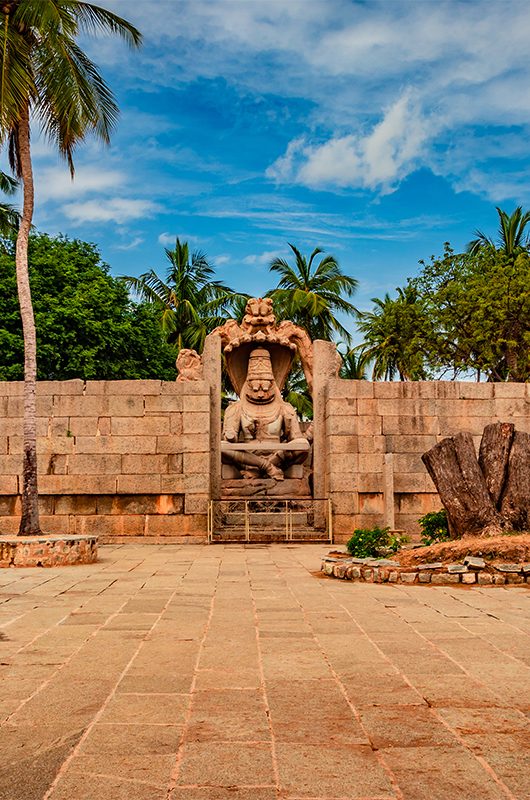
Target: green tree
x: 512, y: 237
x: 189, y: 303
x: 393, y: 333
x: 477, y: 314
x: 354, y: 365
x: 86, y: 325
x: 311, y: 294
x: 9, y: 216
x: 45, y: 76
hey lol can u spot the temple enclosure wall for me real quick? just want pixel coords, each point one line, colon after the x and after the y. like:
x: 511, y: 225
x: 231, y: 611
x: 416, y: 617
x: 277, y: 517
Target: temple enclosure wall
x: 116, y: 458
x: 375, y: 434
x: 141, y: 458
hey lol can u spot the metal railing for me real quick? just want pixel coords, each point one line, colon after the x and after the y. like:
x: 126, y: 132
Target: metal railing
x: 290, y: 519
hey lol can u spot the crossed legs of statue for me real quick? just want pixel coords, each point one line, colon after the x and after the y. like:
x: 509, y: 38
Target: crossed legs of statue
x: 270, y: 464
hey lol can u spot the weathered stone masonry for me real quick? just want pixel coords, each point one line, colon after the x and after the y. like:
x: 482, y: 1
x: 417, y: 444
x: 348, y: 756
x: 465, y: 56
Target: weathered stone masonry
x: 365, y: 421
x: 116, y: 458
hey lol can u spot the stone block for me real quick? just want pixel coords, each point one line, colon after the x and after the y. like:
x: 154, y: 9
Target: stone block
x: 342, y: 444
x: 9, y: 505
x: 341, y: 425
x: 444, y: 579
x: 484, y: 578
x: 506, y: 408
x: 71, y: 387
x: 195, y: 504
x: 474, y: 562
x: 456, y: 569
x: 367, y: 573
x: 116, y: 444
x: 416, y: 502
x: 11, y: 388
x: 196, y: 404
x: 468, y: 390
x: 173, y: 483
x: 370, y: 462
x: 410, y: 425
x: 410, y: 443
x: 399, y: 407
x: 195, y: 422
x: 344, y: 406
x: 82, y: 426
x: 370, y: 482
x: 15, y: 406
x: 371, y: 444
x: 186, y: 388
x: 387, y: 389
x: 127, y: 406
x: 339, y: 388
x: 508, y: 390
x: 469, y: 578
x: 343, y: 463
x: 499, y: 580
x: 139, y: 484
x: 408, y: 577
x: 54, y: 525
x: 80, y: 406
x: 144, y: 464
x: 12, y: 465
x: 451, y: 424
x: 515, y: 578
x: 418, y: 389
x: 59, y: 426
x: 56, y: 464
x: 424, y: 577
x: 10, y: 426
x: 9, y: 526
x: 94, y: 464
x: 370, y: 503
x: 392, y: 576
x: 412, y: 483
x: 104, y: 426
x: 338, y: 482
x: 77, y: 484
x: 175, y: 462
x: 447, y: 389
x: 368, y: 406
x: 409, y: 463
x: 176, y: 424
x: 140, y: 426
x: 163, y: 404
x: 75, y: 504
x: 344, y: 503
x: 369, y: 426
x: 196, y: 462
x: 123, y: 388
x: 8, y: 484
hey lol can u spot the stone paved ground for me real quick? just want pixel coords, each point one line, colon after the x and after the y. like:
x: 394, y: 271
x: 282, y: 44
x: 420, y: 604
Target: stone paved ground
x: 212, y: 673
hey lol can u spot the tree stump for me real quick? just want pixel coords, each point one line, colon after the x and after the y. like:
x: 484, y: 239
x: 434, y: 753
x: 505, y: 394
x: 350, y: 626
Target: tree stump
x: 454, y: 469
x: 487, y: 495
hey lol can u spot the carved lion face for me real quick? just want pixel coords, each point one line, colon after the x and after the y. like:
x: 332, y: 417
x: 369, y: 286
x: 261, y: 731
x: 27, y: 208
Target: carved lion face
x: 259, y: 314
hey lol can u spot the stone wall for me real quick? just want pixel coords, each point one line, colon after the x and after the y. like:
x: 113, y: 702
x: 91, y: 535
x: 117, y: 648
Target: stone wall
x: 116, y: 458
x: 365, y: 421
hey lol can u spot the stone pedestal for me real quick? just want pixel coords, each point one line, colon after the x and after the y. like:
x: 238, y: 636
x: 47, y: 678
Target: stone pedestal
x: 47, y: 551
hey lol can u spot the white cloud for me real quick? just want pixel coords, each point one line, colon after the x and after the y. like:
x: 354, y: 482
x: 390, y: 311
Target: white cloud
x: 263, y: 259
x: 131, y: 245
x: 116, y: 209
x: 375, y: 160
x: 169, y: 239
x: 55, y: 183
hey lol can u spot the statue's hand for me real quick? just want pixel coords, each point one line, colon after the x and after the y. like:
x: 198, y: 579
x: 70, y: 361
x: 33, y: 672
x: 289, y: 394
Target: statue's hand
x: 229, y: 436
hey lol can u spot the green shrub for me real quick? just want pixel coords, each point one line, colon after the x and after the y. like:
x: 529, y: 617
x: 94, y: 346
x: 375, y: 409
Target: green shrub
x: 434, y: 527
x: 374, y: 542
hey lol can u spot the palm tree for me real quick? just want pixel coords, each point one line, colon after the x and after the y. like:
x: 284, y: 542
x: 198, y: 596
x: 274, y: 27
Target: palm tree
x: 354, y: 365
x: 512, y: 239
x: 9, y: 216
x: 311, y: 295
x: 191, y: 304
x: 390, y: 337
x: 45, y: 76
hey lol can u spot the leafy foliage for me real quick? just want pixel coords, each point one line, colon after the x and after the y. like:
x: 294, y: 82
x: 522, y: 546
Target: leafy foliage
x: 374, y: 542
x: 311, y: 294
x: 512, y: 237
x: 189, y: 303
x: 393, y: 336
x: 87, y: 327
x: 434, y: 527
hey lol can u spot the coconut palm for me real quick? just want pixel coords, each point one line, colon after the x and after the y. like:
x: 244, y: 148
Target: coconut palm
x: 9, y: 216
x: 45, y: 77
x: 512, y: 238
x: 191, y: 303
x: 311, y: 294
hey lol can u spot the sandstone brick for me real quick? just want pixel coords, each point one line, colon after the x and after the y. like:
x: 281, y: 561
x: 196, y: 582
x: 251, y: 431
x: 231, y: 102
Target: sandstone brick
x: 408, y: 462
x: 370, y: 462
x: 408, y: 577
x: 342, y: 444
x: 176, y: 424
x: 9, y: 526
x: 11, y: 464
x: 104, y: 426
x: 368, y: 406
x: 102, y: 525
x: 140, y: 426
x: 345, y: 406
x: 195, y: 422
x: 195, y: 504
x: 80, y: 406
x: 387, y: 389
x: 418, y: 503
x: 75, y: 504
x: 3, y: 445
x: 176, y: 462
x: 406, y: 408
x: 371, y: 503
x: 196, y: 462
x: 9, y: 505
x: 94, y: 464
x: 343, y: 527
x: 162, y: 525
x: 115, y: 444
x: 11, y: 388
x: 451, y: 424
x: 515, y: 579
x: 339, y: 388
x: 499, y: 580
x: 410, y: 443
x: 409, y: 425
x: 418, y: 389
x: 444, y: 578
x: 139, y: 484
x: 370, y: 482
x: 338, y: 482
x: 123, y: 388
x: 343, y: 463
x: 186, y: 388
x: 344, y: 425
x: 470, y: 577
x: 82, y: 426
x: 424, y: 577
x: 74, y: 386
x: 197, y: 483
x: 193, y: 443
x: 59, y: 426
x: 369, y: 426
x: 77, y: 484
x: 55, y: 464
x: 54, y: 525
x: 15, y: 406
x: 127, y: 406
x: 505, y: 408
x: 509, y: 390
x: 484, y: 578
x: 372, y: 444
x: 8, y: 484
x: 10, y: 427
x: 144, y: 464
x: 447, y: 389
x: 469, y: 390
x: 163, y: 404
x: 195, y: 404
x: 344, y: 503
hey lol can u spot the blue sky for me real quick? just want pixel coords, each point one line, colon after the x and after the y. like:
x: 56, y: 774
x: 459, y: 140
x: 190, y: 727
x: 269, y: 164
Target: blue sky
x: 374, y: 130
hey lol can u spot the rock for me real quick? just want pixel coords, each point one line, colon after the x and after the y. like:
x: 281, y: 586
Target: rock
x: 499, y: 580
x: 327, y: 568
x: 424, y: 577
x: 526, y: 569
x: 433, y: 565
x: 474, y: 562
x: 353, y: 573
x: 508, y: 567
x: 443, y: 578
x: 367, y: 574
x: 470, y: 577
x: 408, y: 577
x: 456, y: 569
x: 485, y: 578
x: 512, y: 578
x: 392, y: 576
x: 382, y: 562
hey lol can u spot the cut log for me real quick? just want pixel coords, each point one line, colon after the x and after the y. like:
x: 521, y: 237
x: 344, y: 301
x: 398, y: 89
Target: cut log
x: 453, y: 467
x: 515, y: 504
x: 493, y: 457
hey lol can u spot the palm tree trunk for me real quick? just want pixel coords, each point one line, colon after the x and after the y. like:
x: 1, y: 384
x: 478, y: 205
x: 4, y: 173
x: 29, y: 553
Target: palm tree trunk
x: 29, y: 523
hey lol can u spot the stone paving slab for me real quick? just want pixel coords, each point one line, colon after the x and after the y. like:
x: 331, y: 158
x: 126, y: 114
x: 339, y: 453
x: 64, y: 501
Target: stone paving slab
x: 178, y: 672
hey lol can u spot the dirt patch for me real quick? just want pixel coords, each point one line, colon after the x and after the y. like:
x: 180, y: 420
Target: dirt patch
x: 513, y: 549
